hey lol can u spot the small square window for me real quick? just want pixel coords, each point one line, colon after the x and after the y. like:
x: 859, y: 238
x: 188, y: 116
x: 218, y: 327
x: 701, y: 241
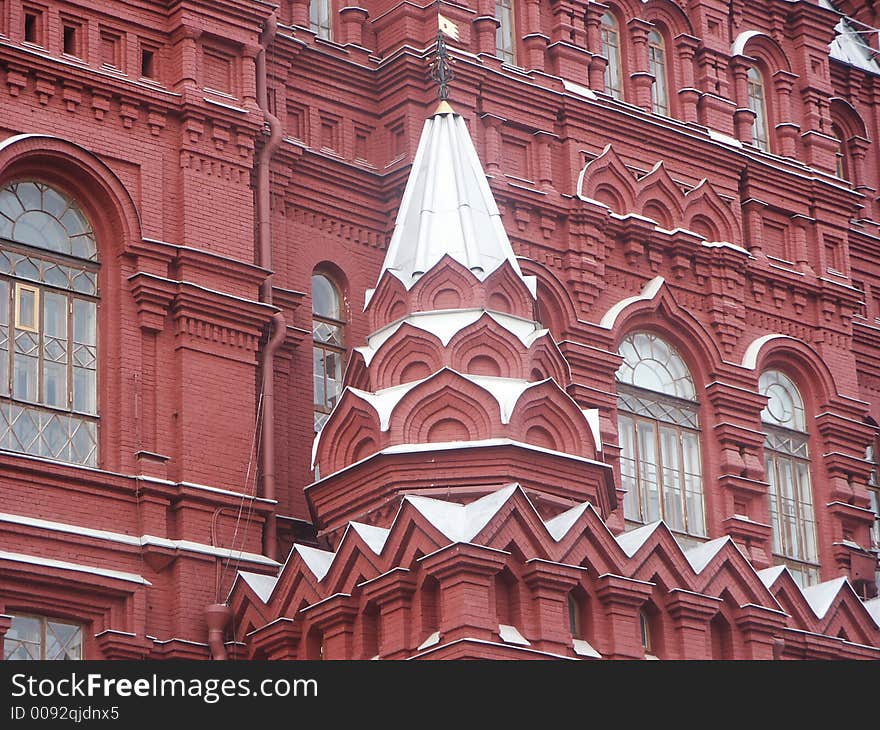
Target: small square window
x: 148, y: 63
x: 72, y: 35
x: 33, y: 27
x: 111, y: 49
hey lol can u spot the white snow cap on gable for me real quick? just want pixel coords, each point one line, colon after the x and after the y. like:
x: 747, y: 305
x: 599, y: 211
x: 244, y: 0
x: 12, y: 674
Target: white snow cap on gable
x: 462, y: 522
x: 318, y: 561
x: 700, y: 556
x: 559, y: 526
x: 822, y: 595
x: 631, y: 541
x: 770, y: 575
x: 448, y: 209
x: 262, y: 585
x: 375, y: 537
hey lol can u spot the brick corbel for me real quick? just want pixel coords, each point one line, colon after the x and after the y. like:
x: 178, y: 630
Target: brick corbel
x: 153, y: 296
x: 691, y: 613
x: 622, y: 598
x: 335, y: 618
x: 550, y: 584
x: 392, y: 592
x: 122, y: 645
x: 465, y: 573
x: 277, y: 640
x: 760, y: 627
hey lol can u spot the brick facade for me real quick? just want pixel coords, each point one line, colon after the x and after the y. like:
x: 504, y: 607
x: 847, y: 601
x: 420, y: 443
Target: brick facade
x: 174, y: 128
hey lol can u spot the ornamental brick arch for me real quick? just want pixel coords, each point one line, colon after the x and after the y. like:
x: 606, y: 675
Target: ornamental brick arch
x: 409, y: 354
x: 670, y: 19
x: 553, y: 306
x: 660, y: 198
x: 730, y: 572
x: 507, y: 293
x: 447, y: 401
x: 762, y: 48
x: 388, y: 302
x: 547, y: 408
x: 607, y: 180
x: 115, y: 221
x: 103, y: 198
x: 340, y: 441
x: 547, y: 361
x: 486, y: 348
x: 704, y: 204
x: 448, y: 285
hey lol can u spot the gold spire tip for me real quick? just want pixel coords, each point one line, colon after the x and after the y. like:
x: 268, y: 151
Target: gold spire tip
x: 443, y: 107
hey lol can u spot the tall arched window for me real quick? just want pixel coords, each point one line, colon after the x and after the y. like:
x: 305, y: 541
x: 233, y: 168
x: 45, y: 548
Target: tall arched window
x: 786, y: 449
x: 657, y: 66
x: 48, y: 325
x: 840, y: 155
x: 611, y: 51
x: 658, y: 422
x: 320, y: 18
x: 505, y: 41
x: 328, y: 323
x: 758, y: 104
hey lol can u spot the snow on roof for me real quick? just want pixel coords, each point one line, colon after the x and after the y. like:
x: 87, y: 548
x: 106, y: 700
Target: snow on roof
x: 505, y: 391
x: 631, y: 541
x: 583, y: 648
x: 578, y: 89
x: 873, y: 609
x: 738, y: 46
x: 769, y: 576
x: 262, y: 585
x: 750, y: 358
x: 462, y: 522
x: 318, y: 561
x: 822, y: 595
x: 446, y: 324
x: 649, y: 291
x: 726, y: 244
x: 375, y: 537
x: 700, y: 556
x: 77, y: 567
x: 850, y: 47
x: 447, y: 208
x: 559, y: 526
x: 592, y: 417
x: 511, y: 635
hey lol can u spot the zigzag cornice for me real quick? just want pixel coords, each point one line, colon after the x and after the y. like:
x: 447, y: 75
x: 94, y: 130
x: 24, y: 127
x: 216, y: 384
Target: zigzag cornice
x: 482, y: 523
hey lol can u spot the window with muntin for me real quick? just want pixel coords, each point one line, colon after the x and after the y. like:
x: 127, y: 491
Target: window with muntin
x: 787, y: 459
x: 657, y: 66
x: 659, y: 432
x: 611, y: 50
x: 328, y: 335
x: 41, y: 638
x: 758, y: 104
x: 505, y: 41
x: 48, y: 325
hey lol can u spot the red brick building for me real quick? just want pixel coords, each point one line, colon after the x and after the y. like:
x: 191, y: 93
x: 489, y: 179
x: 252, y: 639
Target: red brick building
x: 296, y: 364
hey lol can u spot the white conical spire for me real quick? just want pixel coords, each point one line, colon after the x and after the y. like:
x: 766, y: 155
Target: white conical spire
x: 447, y: 208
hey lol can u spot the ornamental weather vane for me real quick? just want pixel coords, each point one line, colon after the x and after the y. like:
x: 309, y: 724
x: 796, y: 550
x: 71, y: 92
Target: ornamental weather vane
x: 441, y: 66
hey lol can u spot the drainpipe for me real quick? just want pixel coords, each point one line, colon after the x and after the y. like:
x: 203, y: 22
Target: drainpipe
x: 264, y: 255
x: 217, y: 616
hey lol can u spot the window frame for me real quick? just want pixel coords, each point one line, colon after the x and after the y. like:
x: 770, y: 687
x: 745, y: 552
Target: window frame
x: 44, y: 626
x: 614, y: 62
x: 758, y: 103
x: 788, y: 472
x: 321, y: 27
x: 52, y: 429
x: 322, y: 411
x: 505, y: 31
x: 665, y: 416
x: 660, y: 96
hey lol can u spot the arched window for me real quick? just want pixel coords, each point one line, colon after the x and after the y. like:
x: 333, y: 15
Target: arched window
x: 320, y: 18
x: 657, y: 66
x: 841, y: 157
x: 505, y: 41
x: 758, y: 104
x: 658, y: 422
x: 611, y: 51
x: 328, y: 334
x: 645, y: 633
x: 48, y: 325
x: 787, y: 456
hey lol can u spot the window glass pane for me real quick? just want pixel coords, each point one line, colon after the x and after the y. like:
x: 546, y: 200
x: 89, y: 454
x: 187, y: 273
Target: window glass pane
x: 628, y: 477
x: 672, y: 479
x: 648, y: 470
x: 657, y: 66
x: 653, y: 364
x: 27, y: 308
x: 25, y: 382
x: 4, y: 337
x: 611, y: 51
x: 785, y: 407
x: 325, y: 298
x: 84, y: 322
x: 504, y: 43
